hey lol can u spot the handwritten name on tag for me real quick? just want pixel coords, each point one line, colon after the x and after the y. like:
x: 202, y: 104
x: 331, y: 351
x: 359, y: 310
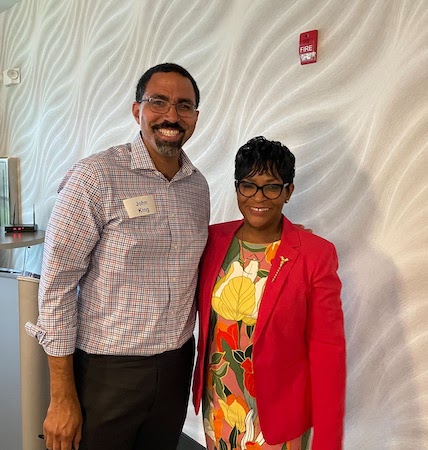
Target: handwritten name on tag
x: 140, y: 206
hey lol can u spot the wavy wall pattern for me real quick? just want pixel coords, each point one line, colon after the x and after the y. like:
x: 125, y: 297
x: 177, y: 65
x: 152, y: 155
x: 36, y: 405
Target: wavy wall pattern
x: 357, y: 121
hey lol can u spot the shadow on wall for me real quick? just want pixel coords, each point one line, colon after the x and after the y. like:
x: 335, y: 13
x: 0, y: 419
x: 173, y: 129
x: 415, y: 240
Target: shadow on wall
x: 382, y: 397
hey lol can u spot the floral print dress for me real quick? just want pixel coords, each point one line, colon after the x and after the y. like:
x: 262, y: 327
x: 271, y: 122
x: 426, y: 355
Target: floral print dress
x: 229, y: 406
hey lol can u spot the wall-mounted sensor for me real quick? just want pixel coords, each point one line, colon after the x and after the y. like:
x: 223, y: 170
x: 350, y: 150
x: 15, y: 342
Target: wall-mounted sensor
x: 11, y: 76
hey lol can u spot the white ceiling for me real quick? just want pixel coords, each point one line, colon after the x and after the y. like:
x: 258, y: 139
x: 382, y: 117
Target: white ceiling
x: 6, y: 4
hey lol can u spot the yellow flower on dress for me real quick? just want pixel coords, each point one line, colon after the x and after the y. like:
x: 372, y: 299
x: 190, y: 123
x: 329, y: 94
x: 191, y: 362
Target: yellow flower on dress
x: 233, y: 296
x: 235, y: 411
x: 236, y: 296
x: 259, y: 287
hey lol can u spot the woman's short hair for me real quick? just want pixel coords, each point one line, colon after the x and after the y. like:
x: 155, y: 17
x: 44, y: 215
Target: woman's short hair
x: 260, y: 155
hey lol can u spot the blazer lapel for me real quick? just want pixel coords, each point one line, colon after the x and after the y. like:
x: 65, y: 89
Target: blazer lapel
x: 213, y: 258
x: 282, y: 264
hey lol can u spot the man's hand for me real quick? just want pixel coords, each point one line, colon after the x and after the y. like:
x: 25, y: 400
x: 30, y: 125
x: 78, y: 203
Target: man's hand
x: 309, y: 230
x: 63, y: 424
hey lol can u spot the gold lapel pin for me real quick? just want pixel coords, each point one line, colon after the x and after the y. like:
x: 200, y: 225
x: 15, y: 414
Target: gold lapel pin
x: 283, y: 261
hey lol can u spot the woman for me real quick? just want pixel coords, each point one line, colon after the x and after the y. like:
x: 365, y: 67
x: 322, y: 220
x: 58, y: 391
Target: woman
x: 271, y: 362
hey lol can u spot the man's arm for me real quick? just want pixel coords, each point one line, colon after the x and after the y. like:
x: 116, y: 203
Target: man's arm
x: 63, y: 424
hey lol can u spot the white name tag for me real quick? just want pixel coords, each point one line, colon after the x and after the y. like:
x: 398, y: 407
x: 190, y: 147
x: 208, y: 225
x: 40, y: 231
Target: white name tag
x: 140, y: 206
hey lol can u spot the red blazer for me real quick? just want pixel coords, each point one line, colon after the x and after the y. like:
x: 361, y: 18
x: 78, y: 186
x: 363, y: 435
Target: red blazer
x: 299, y: 343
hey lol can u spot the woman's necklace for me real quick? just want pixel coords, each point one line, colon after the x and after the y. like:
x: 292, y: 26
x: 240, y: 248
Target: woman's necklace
x: 253, y: 256
x: 251, y: 267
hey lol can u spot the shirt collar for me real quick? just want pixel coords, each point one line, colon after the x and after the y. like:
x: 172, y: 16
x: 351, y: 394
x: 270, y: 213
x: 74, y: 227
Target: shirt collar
x: 140, y: 158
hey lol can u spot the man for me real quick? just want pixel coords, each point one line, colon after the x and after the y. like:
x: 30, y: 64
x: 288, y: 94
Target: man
x: 116, y: 298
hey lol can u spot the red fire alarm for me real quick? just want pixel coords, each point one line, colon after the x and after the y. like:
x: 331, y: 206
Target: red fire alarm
x: 308, y: 47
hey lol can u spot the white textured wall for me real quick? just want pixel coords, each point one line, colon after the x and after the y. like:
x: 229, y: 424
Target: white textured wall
x: 357, y: 121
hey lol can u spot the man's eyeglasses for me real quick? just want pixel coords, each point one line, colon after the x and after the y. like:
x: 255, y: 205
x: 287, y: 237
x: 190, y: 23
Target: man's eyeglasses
x: 161, y: 106
x: 270, y: 191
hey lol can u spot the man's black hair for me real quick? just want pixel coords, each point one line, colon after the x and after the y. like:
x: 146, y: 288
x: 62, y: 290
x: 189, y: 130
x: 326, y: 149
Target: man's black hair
x: 165, y: 68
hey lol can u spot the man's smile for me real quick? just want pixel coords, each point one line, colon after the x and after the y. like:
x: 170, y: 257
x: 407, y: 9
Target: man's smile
x: 168, y: 131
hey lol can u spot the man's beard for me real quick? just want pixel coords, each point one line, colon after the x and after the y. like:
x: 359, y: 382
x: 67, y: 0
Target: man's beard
x: 168, y: 149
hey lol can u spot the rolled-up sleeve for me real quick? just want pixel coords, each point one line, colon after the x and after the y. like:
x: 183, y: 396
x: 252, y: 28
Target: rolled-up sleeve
x: 73, y: 230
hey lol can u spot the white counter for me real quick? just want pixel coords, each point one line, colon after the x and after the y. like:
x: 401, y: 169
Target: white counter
x: 24, y: 380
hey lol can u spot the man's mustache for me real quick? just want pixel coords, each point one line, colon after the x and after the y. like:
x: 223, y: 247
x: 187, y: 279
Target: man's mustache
x: 165, y: 124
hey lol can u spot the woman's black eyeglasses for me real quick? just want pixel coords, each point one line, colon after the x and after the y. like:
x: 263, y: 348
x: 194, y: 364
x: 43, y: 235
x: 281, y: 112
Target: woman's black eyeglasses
x: 270, y: 191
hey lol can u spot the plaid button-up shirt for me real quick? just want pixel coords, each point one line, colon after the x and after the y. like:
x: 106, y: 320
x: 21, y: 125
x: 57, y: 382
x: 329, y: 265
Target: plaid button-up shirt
x: 112, y: 284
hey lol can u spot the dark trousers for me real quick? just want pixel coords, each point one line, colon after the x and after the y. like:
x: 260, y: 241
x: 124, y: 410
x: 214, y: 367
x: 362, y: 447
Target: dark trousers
x: 133, y: 402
